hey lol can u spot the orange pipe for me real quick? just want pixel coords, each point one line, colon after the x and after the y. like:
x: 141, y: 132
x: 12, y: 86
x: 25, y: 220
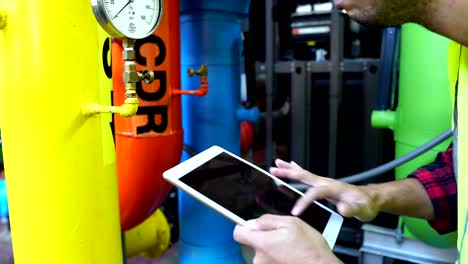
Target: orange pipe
x: 202, y: 91
x: 150, y: 142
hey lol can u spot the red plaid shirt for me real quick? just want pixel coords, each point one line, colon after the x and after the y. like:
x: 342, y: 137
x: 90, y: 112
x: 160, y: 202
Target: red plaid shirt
x: 438, y: 178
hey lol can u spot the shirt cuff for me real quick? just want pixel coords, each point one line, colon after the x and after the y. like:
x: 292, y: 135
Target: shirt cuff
x: 442, y: 191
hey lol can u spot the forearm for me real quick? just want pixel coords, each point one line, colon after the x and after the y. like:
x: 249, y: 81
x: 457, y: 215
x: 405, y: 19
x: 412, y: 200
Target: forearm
x: 404, y: 197
x: 448, y: 18
x: 327, y: 259
x: 323, y: 258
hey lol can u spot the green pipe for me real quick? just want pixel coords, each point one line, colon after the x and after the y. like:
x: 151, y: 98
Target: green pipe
x: 423, y: 112
x: 383, y: 119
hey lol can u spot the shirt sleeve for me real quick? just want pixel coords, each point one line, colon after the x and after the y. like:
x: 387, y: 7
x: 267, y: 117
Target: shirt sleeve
x: 438, y: 179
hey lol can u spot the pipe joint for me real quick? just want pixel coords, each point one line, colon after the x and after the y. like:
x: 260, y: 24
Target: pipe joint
x: 252, y: 115
x: 203, y: 90
x: 130, y: 77
x: 383, y: 119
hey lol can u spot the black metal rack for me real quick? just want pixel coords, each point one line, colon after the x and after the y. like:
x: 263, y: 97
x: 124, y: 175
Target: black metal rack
x: 302, y: 76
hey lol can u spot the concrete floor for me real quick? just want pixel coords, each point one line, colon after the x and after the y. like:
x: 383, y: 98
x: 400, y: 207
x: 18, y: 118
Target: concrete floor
x: 6, y: 255
x: 171, y: 257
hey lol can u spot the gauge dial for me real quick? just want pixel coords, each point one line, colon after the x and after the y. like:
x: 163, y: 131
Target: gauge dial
x: 135, y: 19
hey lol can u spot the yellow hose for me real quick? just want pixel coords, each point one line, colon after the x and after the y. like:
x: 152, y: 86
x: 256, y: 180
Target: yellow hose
x: 151, y: 238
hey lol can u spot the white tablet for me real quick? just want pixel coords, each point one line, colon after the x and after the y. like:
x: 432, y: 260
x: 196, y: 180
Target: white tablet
x: 242, y: 191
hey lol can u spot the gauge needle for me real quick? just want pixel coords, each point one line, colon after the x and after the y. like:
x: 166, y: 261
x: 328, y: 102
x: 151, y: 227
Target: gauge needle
x: 129, y: 2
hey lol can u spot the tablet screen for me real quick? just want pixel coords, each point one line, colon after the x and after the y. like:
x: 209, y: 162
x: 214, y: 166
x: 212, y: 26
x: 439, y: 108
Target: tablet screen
x: 247, y: 192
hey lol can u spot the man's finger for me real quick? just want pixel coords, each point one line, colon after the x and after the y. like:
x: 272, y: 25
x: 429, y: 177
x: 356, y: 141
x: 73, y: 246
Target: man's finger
x: 295, y: 165
x: 256, y: 239
x: 297, y: 175
x: 288, y: 165
x: 282, y: 164
x: 244, y: 235
x: 314, y: 194
x: 270, y: 222
x: 261, y: 258
x: 345, y: 210
x: 287, y: 173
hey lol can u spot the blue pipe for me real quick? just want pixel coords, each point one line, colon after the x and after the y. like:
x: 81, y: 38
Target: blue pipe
x: 210, y: 34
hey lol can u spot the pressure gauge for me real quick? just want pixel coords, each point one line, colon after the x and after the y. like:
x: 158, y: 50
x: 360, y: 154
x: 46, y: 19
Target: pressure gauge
x: 134, y: 19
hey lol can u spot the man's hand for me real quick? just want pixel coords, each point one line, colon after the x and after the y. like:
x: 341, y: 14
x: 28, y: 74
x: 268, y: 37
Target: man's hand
x: 284, y: 240
x: 350, y: 200
x: 446, y: 18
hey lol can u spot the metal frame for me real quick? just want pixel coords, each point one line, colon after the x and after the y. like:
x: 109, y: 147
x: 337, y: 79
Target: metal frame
x: 300, y: 95
x: 301, y: 73
x: 382, y: 244
x: 372, y: 135
x: 300, y: 114
x: 336, y: 86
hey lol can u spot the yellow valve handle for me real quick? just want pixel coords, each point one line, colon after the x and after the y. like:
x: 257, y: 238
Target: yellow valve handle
x: 3, y: 15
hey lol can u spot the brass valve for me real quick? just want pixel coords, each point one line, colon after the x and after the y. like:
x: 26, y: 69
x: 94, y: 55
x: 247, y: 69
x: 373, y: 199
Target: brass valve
x: 130, y: 78
x: 203, y: 71
x: 147, y: 76
x: 203, y: 90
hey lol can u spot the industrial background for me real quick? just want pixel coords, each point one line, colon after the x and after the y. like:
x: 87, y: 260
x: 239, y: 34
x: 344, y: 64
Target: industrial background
x: 264, y: 79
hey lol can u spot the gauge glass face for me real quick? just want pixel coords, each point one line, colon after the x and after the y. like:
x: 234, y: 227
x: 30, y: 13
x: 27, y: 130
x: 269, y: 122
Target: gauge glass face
x: 134, y: 19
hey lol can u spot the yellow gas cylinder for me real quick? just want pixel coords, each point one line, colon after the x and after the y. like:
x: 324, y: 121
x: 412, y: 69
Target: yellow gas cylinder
x: 62, y: 183
x: 150, y: 238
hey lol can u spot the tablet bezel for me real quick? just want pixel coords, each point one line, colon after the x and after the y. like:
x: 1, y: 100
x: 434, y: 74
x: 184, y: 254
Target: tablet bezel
x: 173, y: 175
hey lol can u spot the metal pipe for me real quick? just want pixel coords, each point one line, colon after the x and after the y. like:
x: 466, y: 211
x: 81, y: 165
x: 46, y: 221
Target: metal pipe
x: 336, y: 84
x: 210, y: 34
x: 269, y: 65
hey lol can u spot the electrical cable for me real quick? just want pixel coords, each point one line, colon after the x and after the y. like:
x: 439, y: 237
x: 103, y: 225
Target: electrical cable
x: 400, y: 161
x: 373, y: 173
x: 189, y: 150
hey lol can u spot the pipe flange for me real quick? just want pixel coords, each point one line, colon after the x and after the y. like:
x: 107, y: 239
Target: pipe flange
x: 3, y: 15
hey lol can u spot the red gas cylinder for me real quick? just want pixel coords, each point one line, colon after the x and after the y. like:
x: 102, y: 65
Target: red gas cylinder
x: 247, y: 136
x: 150, y: 142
